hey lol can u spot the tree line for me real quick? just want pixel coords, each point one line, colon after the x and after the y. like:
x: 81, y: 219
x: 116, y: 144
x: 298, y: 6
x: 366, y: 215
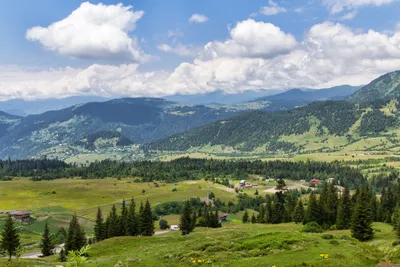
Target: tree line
x: 184, y: 169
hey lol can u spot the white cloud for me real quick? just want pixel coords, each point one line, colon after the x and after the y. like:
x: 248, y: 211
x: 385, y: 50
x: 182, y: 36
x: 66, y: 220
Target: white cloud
x: 175, y: 33
x: 94, y: 32
x: 198, y: 18
x: 349, y: 16
x: 258, y: 55
x: 250, y: 38
x: 337, y: 6
x: 299, y: 10
x: 272, y: 9
x: 179, y: 49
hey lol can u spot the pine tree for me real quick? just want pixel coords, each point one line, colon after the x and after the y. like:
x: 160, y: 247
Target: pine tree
x: 278, y: 208
x: 186, y: 219
x: 298, y: 215
x: 133, y: 220
x: 99, y: 226
x: 76, y: 238
x: 123, y: 220
x: 332, y: 204
x: 46, y: 244
x: 343, y: 218
x: 147, y: 220
x: 261, y: 214
x: 253, y: 219
x: 361, y: 224
x: 256, y: 193
x: 313, y: 210
x: 194, y: 220
x: 140, y: 219
x: 245, y: 218
x: 9, y: 241
x: 113, y: 225
x: 268, y: 210
x: 63, y: 256
x: 398, y: 227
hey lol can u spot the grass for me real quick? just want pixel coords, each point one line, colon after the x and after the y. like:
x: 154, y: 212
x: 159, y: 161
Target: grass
x: 241, y: 245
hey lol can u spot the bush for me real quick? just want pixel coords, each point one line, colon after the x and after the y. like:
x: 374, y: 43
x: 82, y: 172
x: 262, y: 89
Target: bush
x: 396, y: 243
x: 163, y: 224
x: 345, y: 237
x: 174, y: 190
x: 327, y: 236
x: 334, y: 242
x: 312, y: 227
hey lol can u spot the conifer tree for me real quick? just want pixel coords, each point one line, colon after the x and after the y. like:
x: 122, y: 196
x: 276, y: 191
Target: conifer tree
x: 361, y: 224
x: 9, y: 242
x: 147, y: 220
x: 76, y: 238
x: 261, y: 214
x: 140, y: 218
x: 186, y: 219
x: 99, y: 226
x: 253, y: 219
x: 332, y: 204
x: 63, y: 256
x: 113, y: 226
x: 215, y: 222
x: 398, y: 226
x: 313, y: 210
x: 46, y: 245
x: 279, y: 204
x: 123, y: 220
x: 194, y: 220
x: 343, y: 218
x: 298, y: 215
x: 133, y: 221
x: 268, y: 210
x: 245, y: 218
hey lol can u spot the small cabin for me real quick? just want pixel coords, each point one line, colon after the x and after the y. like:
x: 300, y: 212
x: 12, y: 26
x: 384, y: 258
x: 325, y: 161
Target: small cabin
x: 22, y: 216
x: 174, y: 228
x: 242, y: 183
x: 315, y: 181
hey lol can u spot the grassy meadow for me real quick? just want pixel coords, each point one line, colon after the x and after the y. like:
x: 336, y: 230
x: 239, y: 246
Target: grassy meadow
x: 241, y: 245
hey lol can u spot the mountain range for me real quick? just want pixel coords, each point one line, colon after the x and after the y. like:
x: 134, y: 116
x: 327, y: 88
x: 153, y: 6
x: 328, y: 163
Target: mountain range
x: 124, y: 126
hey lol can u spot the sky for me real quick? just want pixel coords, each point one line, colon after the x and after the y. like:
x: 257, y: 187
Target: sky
x: 58, y: 48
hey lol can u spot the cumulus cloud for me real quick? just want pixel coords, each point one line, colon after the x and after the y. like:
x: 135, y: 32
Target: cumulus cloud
x: 272, y: 9
x: 337, y: 6
x: 179, y: 49
x: 198, y: 18
x: 250, y: 38
x: 330, y: 54
x: 93, y: 32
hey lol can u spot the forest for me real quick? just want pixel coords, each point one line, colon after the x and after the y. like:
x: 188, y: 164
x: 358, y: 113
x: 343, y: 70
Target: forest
x: 183, y: 169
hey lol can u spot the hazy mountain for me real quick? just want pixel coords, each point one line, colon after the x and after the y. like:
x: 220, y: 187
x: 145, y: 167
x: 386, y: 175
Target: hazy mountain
x: 22, y: 107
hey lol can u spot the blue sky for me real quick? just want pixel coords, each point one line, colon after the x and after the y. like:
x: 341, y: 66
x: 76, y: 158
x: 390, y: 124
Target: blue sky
x: 251, y: 45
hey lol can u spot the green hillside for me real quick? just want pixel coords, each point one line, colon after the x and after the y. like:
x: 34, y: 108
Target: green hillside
x: 383, y: 88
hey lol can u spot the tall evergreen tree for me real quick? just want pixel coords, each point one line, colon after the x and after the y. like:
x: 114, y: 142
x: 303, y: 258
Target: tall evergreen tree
x: 253, y: 218
x: 261, y: 214
x: 194, y: 220
x: 123, y: 220
x: 313, y: 210
x: 99, y: 226
x: 147, y: 220
x: 113, y: 226
x: 397, y: 228
x: 140, y: 218
x: 186, y: 219
x: 76, y: 238
x: 361, y: 224
x: 133, y: 220
x: 343, y: 218
x: 46, y: 244
x: 268, y: 209
x: 279, y: 205
x: 245, y: 218
x: 9, y: 242
x: 298, y: 215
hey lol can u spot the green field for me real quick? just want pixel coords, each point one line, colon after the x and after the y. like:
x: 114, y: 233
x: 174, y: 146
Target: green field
x: 242, y: 245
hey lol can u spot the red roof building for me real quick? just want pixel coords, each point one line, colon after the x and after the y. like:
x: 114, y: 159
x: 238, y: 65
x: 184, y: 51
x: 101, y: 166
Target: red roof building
x: 315, y: 181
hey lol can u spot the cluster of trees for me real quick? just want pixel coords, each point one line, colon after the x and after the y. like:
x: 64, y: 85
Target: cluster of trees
x: 186, y: 169
x: 127, y: 223
x: 327, y: 209
x: 376, y: 121
x: 89, y: 141
x: 204, y: 217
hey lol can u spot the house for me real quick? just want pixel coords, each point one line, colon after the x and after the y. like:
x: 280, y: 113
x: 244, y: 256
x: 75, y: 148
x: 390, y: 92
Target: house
x: 331, y: 180
x: 302, y: 181
x: 242, y: 183
x: 315, y: 181
x: 174, y: 227
x: 22, y: 216
x: 223, y: 217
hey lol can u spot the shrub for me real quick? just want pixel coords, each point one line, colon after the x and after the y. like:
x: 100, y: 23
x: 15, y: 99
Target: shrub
x: 334, y: 242
x: 312, y: 227
x: 396, y: 243
x: 327, y: 236
x: 345, y: 237
x: 174, y: 190
x: 163, y: 224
